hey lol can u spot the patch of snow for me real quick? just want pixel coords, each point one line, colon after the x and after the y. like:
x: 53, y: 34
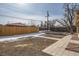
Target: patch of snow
x: 14, y: 37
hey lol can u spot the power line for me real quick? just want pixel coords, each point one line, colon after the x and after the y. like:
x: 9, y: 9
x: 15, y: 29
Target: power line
x: 17, y: 17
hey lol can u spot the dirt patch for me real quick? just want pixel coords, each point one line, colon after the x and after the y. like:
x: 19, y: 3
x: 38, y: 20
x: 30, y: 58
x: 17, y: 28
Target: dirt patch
x: 31, y: 47
x: 73, y: 47
x: 75, y: 37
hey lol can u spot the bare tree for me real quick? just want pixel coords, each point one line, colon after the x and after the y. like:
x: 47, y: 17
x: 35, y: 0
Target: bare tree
x: 42, y: 24
x: 69, y: 16
x: 68, y: 20
x: 64, y: 23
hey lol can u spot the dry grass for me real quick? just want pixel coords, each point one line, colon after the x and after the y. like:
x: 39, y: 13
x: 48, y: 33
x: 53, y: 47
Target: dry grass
x: 23, y: 45
x: 31, y: 47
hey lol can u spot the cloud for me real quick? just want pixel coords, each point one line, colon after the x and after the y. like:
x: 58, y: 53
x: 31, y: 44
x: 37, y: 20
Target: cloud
x: 21, y: 18
x: 56, y: 17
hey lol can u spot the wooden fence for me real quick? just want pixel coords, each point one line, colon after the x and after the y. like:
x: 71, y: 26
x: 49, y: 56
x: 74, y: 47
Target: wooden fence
x: 13, y: 30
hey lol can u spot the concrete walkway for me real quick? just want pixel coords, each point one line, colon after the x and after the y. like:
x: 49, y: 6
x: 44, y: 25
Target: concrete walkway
x: 58, y: 48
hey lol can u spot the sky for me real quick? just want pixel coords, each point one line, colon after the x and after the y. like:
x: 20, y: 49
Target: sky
x: 34, y: 11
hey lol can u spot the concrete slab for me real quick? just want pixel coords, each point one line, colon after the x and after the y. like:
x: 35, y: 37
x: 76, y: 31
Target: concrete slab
x: 58, y: 48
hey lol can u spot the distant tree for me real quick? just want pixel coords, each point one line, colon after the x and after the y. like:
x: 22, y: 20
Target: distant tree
x: 42, y: 24
x: 64, y: 23
x: 45, y: 24
x: 52, y: 23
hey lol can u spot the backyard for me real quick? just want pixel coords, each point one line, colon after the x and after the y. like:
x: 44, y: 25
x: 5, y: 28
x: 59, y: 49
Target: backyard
x: 30, y: 46
x: 39, y: 29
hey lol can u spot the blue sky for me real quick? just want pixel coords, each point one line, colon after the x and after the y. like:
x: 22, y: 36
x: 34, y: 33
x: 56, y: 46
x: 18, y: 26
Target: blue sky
x: 35, y: 11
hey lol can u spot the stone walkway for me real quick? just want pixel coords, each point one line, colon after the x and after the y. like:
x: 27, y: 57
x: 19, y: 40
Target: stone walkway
x: 58, y: 48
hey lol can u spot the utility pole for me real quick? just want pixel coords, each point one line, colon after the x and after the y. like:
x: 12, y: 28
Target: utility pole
x: 47, y: 17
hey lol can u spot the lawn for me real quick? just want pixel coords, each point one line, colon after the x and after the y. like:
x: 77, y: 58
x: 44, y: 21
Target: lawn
x: 25, y: 47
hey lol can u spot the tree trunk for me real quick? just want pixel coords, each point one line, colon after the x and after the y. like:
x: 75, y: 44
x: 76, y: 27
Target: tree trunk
x: 71, y: 29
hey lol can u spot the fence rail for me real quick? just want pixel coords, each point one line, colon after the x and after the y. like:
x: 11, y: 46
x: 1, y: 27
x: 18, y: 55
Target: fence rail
x: 13, y: 30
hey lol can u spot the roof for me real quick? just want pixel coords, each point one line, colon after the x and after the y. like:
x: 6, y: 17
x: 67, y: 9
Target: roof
x: 15, y: 24
x: 0, y: 24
